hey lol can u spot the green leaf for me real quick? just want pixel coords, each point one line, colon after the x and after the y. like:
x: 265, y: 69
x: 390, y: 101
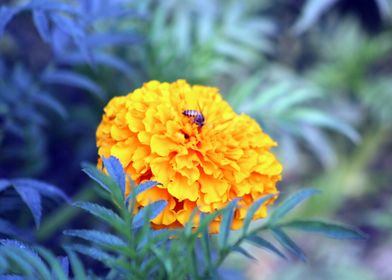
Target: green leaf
x: 152, y: 210
x: 242, y: 251
x: 145, y: 186
x: 116, y: 171
x: 99, y: 237
x: 103, y: 213
x: 94, y: 253
x: 205, y: 220
x: 103, y: 180
x: 288, y: 243
x: 76, y: 265
x: 322, y: 119
x: 225, y: 226
x: 32, y: 198
x: 287, y: 205
x: 264, y: 244
x: 167, y: 263
x: 57, y: 269
x: 20, y: 263
x: 253, y: 209
x: 267, y: 97
x: 27, y: 257
x: 327, y: 229
x: 189, y: 225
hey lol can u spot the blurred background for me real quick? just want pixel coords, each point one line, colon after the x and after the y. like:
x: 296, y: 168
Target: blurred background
x: 316, y: 74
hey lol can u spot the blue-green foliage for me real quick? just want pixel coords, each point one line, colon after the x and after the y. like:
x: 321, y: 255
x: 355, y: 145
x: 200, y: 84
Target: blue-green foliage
x: 30, y: 191
x: 75, y: 35
x: 133, y: 250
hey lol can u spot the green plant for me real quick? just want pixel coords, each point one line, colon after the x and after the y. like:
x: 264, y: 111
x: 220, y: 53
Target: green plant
x: 133, y: 250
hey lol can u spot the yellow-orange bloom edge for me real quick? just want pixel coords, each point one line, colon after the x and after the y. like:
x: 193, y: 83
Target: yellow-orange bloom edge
x: 199, y: 164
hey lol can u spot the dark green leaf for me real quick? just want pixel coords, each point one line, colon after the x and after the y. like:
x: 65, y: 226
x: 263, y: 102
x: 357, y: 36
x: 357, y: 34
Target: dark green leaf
x: 99, y: 237
x: 225, y: 226
x: 253, y: 209
x: 116, y: 171
x: 103, y: 180
x: 73, y: 79
x: 76, y: 265
x: 152, y: 210
x: 101, y: 212
x: 241, y: 250
x: 55, y: 264
x: 264, y: 244
x: 327, y: 229
x: 27, y: 259
x: 94, y: 253
x: 43, y: 188
x: 145, y: 186
x: 288, y: 243
x: 32, y: 199
x: 287, y: 205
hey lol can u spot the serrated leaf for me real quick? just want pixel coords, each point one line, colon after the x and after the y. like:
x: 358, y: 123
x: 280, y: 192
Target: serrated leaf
x: 287, y: 205
x: 116, y: 171
x: 103, y: 213
x: 264, y: 244
x: 43, y: 188
x: 152, y: 210
x: 70, y: 78
x: 288, y: 243
x: 225, y: 225
x: 25, y: 258
x: 99, y: 237
x: 145, y: 186
x: 92, y: 252
x: 55, y: 264
x: 327, y: 229
x: 242, y: 251
x: 32, y: 199
x: 24, y: 267
x: 253, y: 209
x: 76, y: 265
x: 103, y: 180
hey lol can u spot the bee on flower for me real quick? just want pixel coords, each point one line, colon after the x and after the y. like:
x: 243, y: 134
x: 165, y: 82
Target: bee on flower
x: 157, y: 135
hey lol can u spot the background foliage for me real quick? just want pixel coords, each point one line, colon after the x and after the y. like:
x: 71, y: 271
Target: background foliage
x: 316, y: 74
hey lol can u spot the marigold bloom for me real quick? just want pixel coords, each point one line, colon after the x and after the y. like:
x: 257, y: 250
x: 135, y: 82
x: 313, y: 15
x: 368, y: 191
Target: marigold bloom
x: 199, y: 165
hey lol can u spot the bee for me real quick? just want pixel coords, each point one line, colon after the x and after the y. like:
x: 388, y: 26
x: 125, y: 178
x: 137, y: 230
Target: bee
x: 196, y: 116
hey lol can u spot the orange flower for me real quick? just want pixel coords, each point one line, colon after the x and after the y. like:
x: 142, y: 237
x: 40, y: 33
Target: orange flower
x: 204, y: 165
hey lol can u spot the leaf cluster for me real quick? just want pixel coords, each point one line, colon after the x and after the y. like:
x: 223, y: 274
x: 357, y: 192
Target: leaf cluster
x: 202, y: 41
x: 134, y: 250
